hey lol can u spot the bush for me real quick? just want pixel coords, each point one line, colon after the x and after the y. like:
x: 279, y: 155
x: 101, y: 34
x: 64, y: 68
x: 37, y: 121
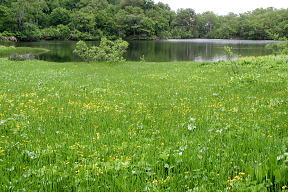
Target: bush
x: 83, y: 51
x: 49, y: 33
x: 229, y: 55
x: 31, y: 32
x: 78, y: 35
x: 278, y: 48
x: 59, y: 32
x: 110, y: 51
x: 60, y: 16
x: 6, y: 33
x: 7, y: 37
x: 18, y: 57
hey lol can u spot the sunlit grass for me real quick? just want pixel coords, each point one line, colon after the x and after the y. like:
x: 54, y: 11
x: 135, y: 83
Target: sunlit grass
x: 142, y: 126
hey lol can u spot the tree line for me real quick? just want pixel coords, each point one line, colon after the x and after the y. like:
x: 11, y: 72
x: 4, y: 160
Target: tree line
x: 132, y: 19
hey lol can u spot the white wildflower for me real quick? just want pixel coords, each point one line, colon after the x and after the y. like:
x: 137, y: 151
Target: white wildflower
x: 191, y: 127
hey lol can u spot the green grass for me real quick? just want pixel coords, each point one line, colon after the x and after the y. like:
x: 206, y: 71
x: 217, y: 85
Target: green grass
x: 144, y: 126
x: 6, y: 51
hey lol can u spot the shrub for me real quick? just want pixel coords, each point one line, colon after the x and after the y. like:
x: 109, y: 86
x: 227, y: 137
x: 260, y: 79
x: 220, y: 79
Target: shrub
x: 49, y: 33
x: 18, y: 57
x: 6, y: 33
x: 78, y: 35
x: 278, y: 48
x: 31, y: 32
x: 7, y: 37
x: 83, y: 51
x: 58, y: 32
x: 110, y: 51
x: 64, y: 32
x: 60, y: 16
x: 229, y: 54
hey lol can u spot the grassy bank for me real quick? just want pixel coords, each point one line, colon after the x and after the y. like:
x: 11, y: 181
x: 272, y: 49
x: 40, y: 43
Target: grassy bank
x: 6, y: 51
x: 144, y: 126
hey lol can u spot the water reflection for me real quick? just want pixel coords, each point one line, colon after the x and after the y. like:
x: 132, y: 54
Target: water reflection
x: 194, y: 50
x: 163, y: 50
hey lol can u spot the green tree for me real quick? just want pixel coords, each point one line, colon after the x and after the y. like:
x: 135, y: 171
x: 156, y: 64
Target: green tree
x: 96, y: 4
x: 134, y: 19
x: 83, y: 20
x: 207, y: 23
x: 7, y: 21
x: 133, y: 3
x: 162, y: 19
x: 133, y: 23
x: 29, y: 11
x: 60, y: 16
x: 228, y: 28
x: 185, y: 24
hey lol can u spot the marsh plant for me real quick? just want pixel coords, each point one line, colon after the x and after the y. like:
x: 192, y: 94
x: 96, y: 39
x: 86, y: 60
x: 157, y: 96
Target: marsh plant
x: 229, y: 54
x: 109, y: 51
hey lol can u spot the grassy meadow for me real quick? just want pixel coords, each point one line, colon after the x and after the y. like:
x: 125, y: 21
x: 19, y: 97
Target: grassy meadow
x: 183, y: 126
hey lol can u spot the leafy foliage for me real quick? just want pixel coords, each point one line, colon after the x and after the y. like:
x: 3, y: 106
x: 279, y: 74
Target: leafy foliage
x: 60, y: 16
x: 110, y: 51
x: 59, y: 32
x: 229, y: 54
x: 135, y: 19
x: 278, y: 48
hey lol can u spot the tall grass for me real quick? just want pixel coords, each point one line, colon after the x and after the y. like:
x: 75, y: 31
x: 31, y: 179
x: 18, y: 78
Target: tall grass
x: 143, y: 126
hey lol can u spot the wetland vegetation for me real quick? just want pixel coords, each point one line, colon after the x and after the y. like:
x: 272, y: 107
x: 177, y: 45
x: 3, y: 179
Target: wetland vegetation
x: 140, y: 126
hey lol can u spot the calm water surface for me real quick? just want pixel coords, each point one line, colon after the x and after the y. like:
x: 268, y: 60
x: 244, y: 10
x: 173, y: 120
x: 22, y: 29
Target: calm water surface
x: 163, y: 50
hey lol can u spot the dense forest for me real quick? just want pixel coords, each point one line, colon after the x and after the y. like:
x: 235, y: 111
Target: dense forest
x: 132, y: 19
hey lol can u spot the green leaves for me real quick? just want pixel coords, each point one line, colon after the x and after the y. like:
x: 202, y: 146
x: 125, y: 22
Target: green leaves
x: 110, y: 51
x: 228, y: 52
x: 82, y: 51
x: 60, y: 16
x: 278, y: 48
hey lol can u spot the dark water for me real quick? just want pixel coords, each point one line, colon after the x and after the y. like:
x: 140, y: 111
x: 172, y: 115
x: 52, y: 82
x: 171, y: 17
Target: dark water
x: 162, y: 50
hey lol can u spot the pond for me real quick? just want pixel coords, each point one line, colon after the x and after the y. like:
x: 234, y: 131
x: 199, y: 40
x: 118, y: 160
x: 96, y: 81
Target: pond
x: 206, y: 50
